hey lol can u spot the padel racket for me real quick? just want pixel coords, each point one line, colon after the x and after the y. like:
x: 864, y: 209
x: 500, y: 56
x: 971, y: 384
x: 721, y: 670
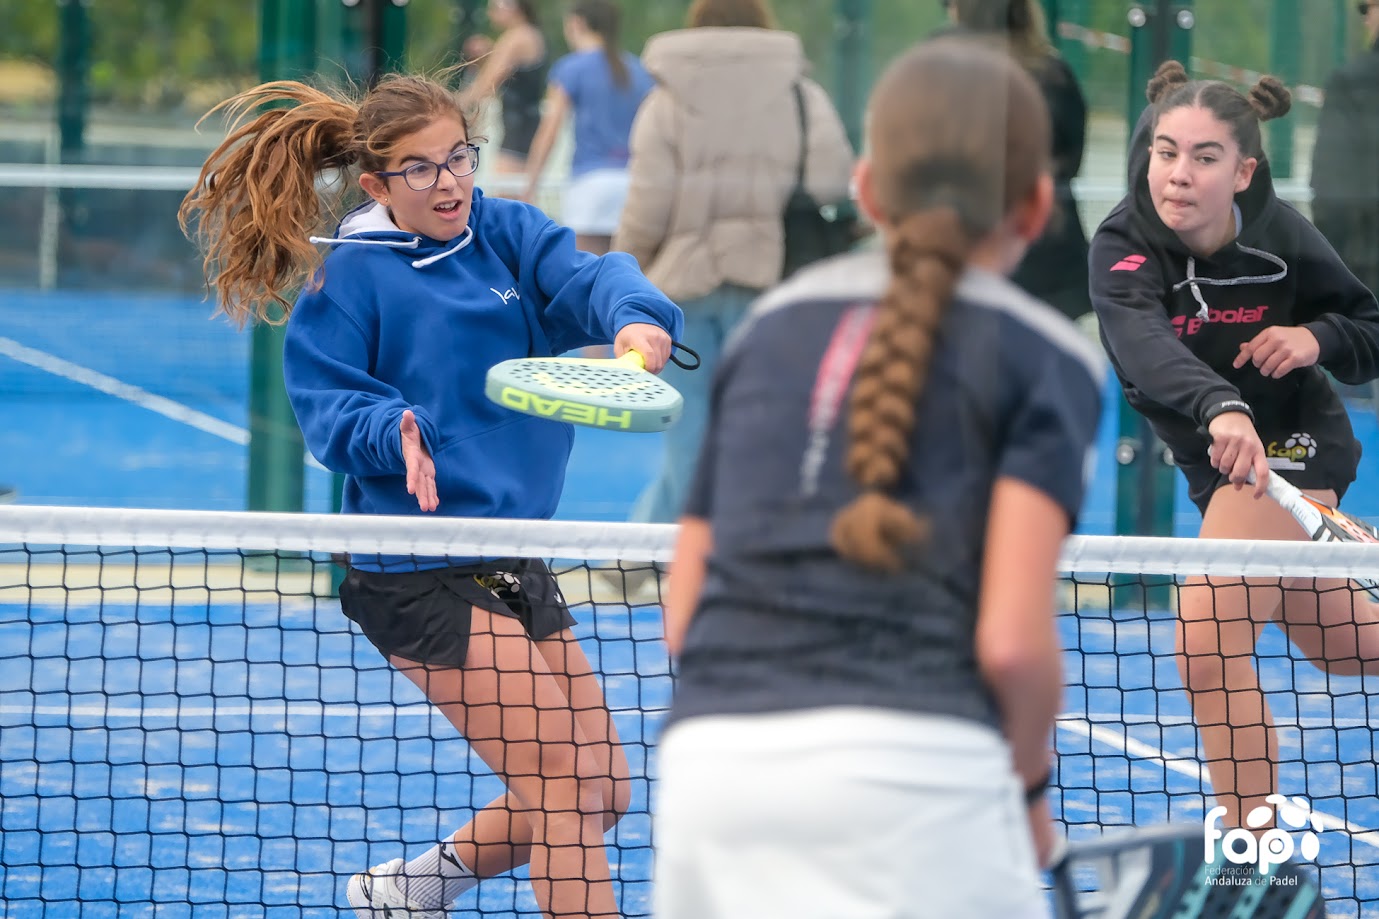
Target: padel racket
x: 617, y: 394
x: 1162, y: 872
x: 1322, y: 522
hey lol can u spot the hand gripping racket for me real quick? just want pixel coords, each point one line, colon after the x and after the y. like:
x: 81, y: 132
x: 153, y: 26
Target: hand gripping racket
x: 616, y: 394
x: 1322, y: 522
x: 1162, y: 872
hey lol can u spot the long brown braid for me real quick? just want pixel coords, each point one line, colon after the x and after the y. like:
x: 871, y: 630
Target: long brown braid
x: 958, y: 136
x: 259, y: 195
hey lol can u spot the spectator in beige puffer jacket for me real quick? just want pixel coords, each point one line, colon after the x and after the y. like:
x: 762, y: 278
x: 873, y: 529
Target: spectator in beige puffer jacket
x: 715, y: 148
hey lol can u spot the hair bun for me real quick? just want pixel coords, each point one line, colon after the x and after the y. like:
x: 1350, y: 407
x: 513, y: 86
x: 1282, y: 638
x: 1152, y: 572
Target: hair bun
x: 1167, y: 78
x: 1270, y: 98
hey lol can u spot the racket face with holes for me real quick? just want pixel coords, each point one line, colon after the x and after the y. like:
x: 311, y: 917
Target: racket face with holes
x: 612, y: 394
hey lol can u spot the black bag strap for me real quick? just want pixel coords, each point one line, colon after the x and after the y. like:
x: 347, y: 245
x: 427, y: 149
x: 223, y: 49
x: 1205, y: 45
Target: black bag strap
x: 804, y: 134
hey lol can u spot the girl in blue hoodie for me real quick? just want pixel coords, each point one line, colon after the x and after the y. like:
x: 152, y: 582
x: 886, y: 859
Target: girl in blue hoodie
x: 426, y: 286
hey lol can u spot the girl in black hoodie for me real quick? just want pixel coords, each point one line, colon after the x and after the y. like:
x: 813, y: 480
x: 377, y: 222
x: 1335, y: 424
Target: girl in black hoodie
x: 1219, y: 306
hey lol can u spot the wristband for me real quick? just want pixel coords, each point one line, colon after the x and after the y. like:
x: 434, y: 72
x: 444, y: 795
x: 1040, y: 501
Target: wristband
x: 1228, y: 405
x: 1036, y: 791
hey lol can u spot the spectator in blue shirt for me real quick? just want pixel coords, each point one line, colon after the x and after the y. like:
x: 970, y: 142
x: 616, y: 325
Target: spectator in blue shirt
x: 603, y: 86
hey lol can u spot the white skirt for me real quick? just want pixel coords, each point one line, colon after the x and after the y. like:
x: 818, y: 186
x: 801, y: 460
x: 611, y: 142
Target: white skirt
x: 841, y: 813
x: 593, y: 202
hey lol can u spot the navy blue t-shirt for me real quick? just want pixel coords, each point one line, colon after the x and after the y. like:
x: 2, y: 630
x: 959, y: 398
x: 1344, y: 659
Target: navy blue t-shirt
x: 784, y: 623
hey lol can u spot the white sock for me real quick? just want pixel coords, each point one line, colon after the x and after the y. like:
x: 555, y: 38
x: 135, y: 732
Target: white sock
x: 436, y: 877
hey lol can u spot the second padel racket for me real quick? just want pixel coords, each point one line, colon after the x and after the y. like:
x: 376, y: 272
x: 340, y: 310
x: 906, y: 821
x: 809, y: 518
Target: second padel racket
x: 616, y: 394
x: 1163, y: 872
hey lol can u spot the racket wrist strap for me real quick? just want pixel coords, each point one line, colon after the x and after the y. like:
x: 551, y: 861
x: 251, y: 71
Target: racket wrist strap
x: 1036, y: 791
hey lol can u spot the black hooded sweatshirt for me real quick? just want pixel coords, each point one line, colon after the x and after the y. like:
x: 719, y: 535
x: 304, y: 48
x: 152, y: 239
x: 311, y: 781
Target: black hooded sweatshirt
x: 1173, y: 323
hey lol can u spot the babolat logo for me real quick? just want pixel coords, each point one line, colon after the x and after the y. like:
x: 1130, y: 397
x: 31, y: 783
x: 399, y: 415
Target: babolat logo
x: 561, y: 410
x: 1191, y: 325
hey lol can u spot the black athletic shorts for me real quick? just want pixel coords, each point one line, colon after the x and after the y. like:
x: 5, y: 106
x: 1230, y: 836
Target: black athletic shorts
x: 1320, y: 457
x: 424, y: 616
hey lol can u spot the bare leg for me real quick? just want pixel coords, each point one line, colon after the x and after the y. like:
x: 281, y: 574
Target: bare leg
x: 1218, y: 624
x: 513, y: 712
x: 1334, y: 623
x: 493, y: 843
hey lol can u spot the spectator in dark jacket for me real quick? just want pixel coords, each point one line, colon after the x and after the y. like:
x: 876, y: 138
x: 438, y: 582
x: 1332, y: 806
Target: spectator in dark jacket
x: 1345, y: 161
x: 1055, y: 268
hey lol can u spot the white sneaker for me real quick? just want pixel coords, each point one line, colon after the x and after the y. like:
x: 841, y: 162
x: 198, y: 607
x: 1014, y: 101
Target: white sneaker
x: 374, y: 894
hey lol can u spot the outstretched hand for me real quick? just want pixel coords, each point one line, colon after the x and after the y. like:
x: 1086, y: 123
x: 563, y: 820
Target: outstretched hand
x: 650, y: 341
x: 1236, y: 450
x: 421, y: 470
x: 1279, y: 350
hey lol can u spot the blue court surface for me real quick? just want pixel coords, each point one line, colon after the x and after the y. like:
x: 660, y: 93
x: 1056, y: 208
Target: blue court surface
x: 242, y: 757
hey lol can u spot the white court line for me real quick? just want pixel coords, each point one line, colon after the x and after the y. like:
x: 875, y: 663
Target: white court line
x: 132, y: 394
x: 1184, y: 765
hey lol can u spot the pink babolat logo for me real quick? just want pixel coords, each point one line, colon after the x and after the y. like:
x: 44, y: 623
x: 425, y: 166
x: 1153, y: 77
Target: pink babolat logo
x: 1129, y: 263
x: 1191, y: 325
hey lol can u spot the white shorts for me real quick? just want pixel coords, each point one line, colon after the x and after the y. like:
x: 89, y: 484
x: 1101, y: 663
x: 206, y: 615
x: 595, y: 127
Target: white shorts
x: 841, y: 813
x: 593, y: 202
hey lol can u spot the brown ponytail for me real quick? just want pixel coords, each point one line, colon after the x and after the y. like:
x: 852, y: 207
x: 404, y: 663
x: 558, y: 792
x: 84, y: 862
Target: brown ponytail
x: 604, y: 19
x: 257, y: 195
x: 958, y: 136
x: 257, y: 200
x: 926, y: 253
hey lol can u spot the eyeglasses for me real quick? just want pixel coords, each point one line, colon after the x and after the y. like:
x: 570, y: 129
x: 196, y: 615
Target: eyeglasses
x: 421, y: 176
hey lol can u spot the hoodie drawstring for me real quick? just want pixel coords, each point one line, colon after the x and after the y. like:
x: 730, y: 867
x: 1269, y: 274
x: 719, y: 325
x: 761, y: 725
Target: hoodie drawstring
x: 1193, y: 281
x: 394, y: 243
x: 466, y: 238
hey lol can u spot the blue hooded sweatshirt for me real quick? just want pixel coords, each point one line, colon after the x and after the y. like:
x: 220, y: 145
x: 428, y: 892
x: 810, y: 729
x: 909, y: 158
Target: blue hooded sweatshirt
x: 401, y: 321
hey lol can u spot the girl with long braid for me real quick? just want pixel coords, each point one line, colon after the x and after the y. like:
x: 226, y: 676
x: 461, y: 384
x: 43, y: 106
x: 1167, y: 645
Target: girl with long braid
x: 861, y: 600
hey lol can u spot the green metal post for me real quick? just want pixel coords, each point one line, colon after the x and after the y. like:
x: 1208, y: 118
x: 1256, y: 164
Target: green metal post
x: 375, y: 38
x: 391, y: 35
x: 1073, y: 50
x: 1285, y: 40
x: 276, y: 474
x: 853, y: 51
x: 1340, y: 33
x: 74, y: 69
x: 73, y: 104
x: 1146, y: 478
